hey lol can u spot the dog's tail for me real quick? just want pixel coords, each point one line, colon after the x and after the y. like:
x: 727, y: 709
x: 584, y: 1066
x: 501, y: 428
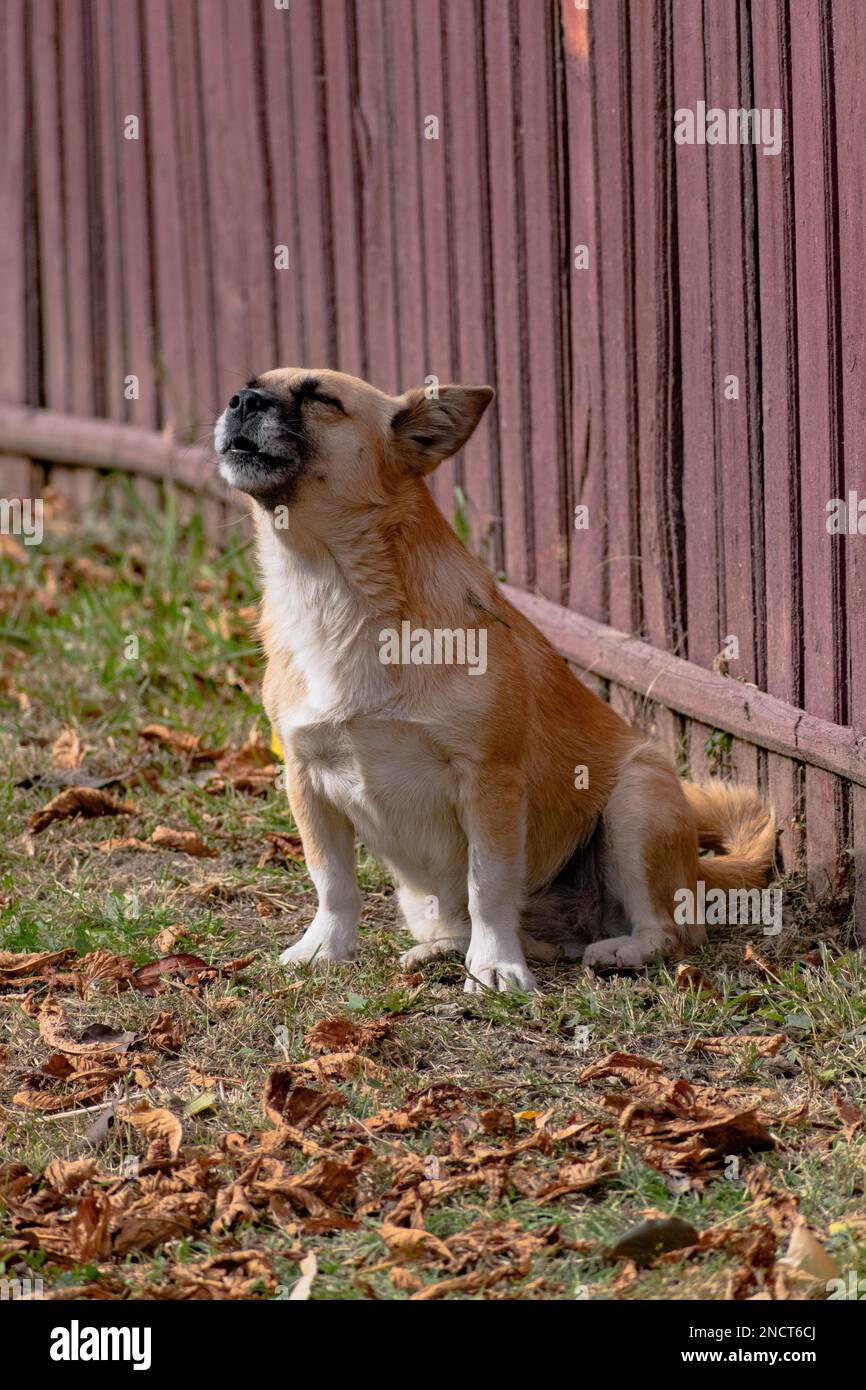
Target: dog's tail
x: 739, y: 827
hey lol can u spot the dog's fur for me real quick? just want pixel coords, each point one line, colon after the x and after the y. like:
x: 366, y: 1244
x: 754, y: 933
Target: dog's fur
x: 464, y: 784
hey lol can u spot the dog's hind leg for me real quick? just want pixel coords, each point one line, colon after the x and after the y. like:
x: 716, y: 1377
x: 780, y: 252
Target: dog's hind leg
x: 650, y: 852
x: 439, y: 923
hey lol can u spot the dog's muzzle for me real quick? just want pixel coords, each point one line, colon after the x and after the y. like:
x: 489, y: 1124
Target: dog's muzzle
x: 261, y: 451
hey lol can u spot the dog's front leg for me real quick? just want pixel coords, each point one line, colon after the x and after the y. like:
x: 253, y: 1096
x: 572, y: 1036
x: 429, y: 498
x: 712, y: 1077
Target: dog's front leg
x: 495, y: 824
x: 329, y: 850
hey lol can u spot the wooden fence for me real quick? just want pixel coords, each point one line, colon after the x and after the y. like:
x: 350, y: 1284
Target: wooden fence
x: 491, y: 190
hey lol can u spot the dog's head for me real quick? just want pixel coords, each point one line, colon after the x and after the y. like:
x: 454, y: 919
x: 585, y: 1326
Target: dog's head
x: 306, y: 439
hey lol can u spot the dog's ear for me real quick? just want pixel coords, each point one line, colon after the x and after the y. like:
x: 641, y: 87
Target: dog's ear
x: 424, y: 432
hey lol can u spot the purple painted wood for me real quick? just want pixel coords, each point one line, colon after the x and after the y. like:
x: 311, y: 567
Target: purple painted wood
x: 314, y: 271
x: 734, y: 385
x: 135, y: 216
x: 467, y: 166
x: 508, y: 285
x: 819, y: 415
x: 850, y: 119
x: 14, y: 211
x: 340, y: 77
x: 280, y: 144
x: 780, y: 408
x: 374, y: 119
x: 698, y: 370
x: 610, y: 56
x: 542, y: 237
x: 436, y: 231
x: 587, y: 544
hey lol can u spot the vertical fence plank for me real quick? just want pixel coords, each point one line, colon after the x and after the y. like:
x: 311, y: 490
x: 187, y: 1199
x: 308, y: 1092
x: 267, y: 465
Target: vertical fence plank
x: 281, y: 142
x: 588, y: 544
x: 475, y: 468
x: 701, y: 480
x: 315, y: 251
x: 850, y: 120
x: 818, y: 367
x: 543, y: 365
x: 16, y: 210
x: 52, y: 240
x: 656, y: 328
x: 729, y: 171
x: 611, y: 82
x: 375, y: 143
x: 340, y: 78
x: 135, y: 218
x: 506, y: 265
x: 780, y: 406
x: 434, y: 184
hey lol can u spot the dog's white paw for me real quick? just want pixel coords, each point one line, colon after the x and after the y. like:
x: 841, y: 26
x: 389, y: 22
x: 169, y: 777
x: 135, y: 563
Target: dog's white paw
x: 318, y: 952
x: 434, y: 950
x: 499, y: 975
x: 618, y: 952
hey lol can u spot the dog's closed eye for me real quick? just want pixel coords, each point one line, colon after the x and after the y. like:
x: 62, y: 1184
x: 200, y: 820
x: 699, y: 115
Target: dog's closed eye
x: 319, y: 398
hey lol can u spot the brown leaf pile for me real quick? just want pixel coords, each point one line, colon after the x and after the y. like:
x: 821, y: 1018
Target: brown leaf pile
x: 678, y: 1126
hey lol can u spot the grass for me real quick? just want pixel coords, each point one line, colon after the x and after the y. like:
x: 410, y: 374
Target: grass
x: 131, y: 619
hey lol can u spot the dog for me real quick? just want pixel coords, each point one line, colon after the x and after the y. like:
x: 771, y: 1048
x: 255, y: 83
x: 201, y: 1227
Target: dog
x: 457, y: 772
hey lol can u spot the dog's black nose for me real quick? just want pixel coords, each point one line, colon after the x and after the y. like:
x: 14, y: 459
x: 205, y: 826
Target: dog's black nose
x: 247, y: 402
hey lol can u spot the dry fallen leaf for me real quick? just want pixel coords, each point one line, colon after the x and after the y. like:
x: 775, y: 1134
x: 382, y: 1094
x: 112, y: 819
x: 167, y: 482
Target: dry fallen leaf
x: 67, y: 750
x: 806, y: 1256
x: 159, y: 1126
x: 286, y: 1102
x: 87, y: 802
x: 184, y: 841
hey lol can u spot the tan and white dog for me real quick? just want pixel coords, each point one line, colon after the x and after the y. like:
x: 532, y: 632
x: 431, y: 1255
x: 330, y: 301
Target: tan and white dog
x: 458, y: 773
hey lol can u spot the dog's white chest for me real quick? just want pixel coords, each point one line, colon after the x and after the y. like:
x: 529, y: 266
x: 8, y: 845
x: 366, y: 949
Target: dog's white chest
x: 389, y: 778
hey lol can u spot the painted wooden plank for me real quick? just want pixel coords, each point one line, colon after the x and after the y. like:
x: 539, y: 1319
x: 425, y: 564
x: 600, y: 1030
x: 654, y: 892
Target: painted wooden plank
x: 378, y: 239
x: 234, y: 350
x: 587, y: 543
x: 76, y: 159
x: 135, y: 217
x: 203, y: 403
x: 338, y: 35
x: 476, y: 467
x: 105, y: 444
x: 544, y: 259
x: 733, y: 316
x: 244, y: 150
x: 110, y: 139
x: 657, y: 343
x: 316, y: 253
x: 761, y: 720
x: 849, y: 19
x: 818, y: 365
x: 173, y: 339
x: 507, y: 259
x: 439, y: 335
x: 54, y: 281
x: 610, y: 66
x: 283, y: 143
x: 16, y: 108
x: 780, y: 407
x: 701, y: 466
